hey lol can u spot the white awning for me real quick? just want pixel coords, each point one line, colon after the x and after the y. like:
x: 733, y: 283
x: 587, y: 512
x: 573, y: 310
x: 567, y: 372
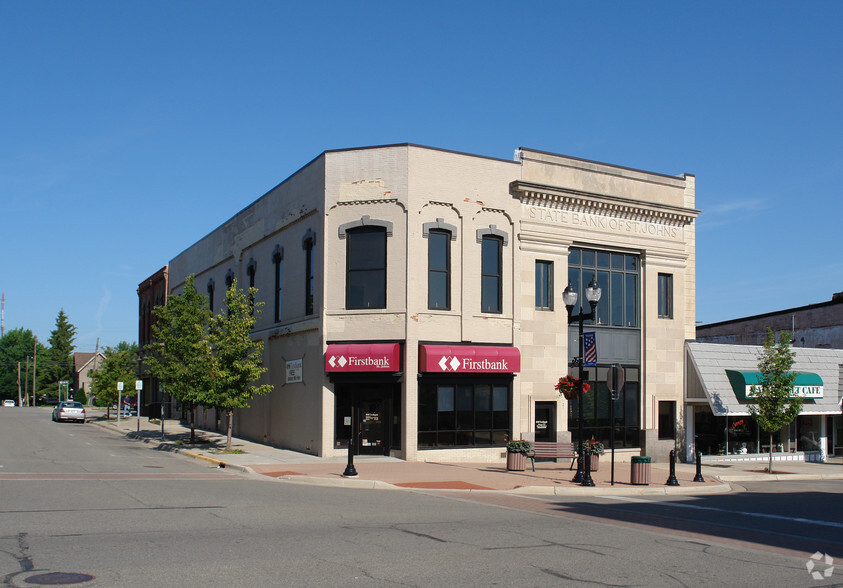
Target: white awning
x: 707, y: 379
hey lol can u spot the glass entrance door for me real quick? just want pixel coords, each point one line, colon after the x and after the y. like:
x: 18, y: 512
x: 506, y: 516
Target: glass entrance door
x: 372, y: 419
x: 545, y: 421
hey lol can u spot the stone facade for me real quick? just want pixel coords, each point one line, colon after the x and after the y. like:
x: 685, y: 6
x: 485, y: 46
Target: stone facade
x: 538, y: 206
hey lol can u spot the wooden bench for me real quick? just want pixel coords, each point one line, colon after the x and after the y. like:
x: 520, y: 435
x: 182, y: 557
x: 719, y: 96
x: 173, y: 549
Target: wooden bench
x: 552, y: 449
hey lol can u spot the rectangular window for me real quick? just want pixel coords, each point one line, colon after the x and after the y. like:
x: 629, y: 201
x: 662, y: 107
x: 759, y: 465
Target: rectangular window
x: 491, y: 275
x: 366, y: 268
x: 617, y: 276
x: 667, y: 419
x: 544, y: 285
x: 464, y: 414
x: 277, y: 289
x: 666, y: 296
x: 308, y: 277
x: 439, y: 270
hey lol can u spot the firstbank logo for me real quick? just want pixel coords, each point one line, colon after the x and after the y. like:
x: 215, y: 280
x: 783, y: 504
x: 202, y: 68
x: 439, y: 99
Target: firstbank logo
x: 334, y: 362
x: 454, y: 363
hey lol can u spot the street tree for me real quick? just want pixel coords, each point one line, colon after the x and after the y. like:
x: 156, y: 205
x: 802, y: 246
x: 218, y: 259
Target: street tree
x: 119, y: 365
x: 180, y: 354
x: 15, y: 347
x: 773, y: 403
x: 57, y: 363
x: 238, y: 360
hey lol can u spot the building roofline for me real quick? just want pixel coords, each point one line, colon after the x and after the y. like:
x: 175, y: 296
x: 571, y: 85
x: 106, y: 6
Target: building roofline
x: 836, y: 299
x: 612, y: 165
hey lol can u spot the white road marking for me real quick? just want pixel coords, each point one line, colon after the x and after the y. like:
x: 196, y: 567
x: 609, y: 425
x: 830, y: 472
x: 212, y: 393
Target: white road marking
x: 723, y: 510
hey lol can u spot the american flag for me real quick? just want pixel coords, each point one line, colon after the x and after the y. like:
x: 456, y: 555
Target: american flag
x: 590, y: 346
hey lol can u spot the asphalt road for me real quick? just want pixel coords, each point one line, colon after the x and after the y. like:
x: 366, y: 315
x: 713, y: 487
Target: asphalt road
x: 76, y: 499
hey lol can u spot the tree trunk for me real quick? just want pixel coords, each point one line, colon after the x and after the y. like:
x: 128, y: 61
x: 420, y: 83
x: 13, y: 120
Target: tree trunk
x: 192, y: 424
x: 770, y: 464
x: 228, y: 427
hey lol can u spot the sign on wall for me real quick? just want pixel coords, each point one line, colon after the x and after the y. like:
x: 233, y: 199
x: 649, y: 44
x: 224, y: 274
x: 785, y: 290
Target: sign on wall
x: 294, y: 371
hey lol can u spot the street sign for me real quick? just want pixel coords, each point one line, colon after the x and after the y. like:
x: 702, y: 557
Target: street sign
x: 615, y: 380
x: 138, y: 384
x: 119, y: 385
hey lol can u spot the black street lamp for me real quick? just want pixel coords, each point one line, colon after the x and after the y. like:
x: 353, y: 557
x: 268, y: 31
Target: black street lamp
x: 569, y: 296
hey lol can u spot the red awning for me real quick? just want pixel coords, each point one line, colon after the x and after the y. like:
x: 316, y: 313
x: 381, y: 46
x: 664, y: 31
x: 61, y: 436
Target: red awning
x: 465, y: 359
x: 363, y: 357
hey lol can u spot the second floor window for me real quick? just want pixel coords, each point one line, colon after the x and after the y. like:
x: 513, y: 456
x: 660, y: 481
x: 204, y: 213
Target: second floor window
x: 276, y: 259
x: 665, y: 296
x: 544, y: 285
x: 308, y: 276
x: 439, y: 270
x: 491, y: 284
x: 366, y: 268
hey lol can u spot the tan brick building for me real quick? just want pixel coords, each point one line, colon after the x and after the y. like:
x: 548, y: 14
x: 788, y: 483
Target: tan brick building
x: 414, y: 295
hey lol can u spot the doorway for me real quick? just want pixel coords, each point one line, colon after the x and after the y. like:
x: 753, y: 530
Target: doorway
x: 545, y: 424
x: 367, y: 411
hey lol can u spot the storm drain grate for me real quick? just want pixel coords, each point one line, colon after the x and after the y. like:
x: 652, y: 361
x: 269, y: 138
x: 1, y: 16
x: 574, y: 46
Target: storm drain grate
x: 59, y: 578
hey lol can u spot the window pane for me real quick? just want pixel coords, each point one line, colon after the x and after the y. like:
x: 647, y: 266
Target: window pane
x: 465, y: 397
x: 573, y: 256
x: 427, y: 408
x: 602, y: 260
x: 437, y: 291
x: 631, y: 317
x: 544, y: 280
x: 491, y: 256
x: 603, y: 305
x: 631, y: 263
x: 587, y: 258
x: 367, y: 289
x: 617, y: 299
x: 490, y: 297
x: 366, y: 249
x: 446, y: 398
x: 437, y: 251
x: 617, y: 261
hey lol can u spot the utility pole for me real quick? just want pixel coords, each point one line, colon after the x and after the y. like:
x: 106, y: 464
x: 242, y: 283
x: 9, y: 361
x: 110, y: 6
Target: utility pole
x: 26, y: 381
x: 3, y: 315
x: 34, y: 367
x: 20, y: 403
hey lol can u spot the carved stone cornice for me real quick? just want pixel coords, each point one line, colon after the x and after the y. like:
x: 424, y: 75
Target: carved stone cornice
x: 532, y: 194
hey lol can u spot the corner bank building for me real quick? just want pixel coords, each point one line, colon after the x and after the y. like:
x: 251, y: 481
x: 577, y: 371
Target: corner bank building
x: 413, y: 296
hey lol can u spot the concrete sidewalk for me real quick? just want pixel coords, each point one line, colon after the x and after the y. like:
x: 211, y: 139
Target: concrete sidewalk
x: 385, y: 472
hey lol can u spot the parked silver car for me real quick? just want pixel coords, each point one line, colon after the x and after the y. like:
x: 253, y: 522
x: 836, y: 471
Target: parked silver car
x: 69, y: 410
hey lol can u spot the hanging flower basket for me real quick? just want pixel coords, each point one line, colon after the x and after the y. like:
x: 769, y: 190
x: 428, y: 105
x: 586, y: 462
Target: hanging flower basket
x: 568, y: 386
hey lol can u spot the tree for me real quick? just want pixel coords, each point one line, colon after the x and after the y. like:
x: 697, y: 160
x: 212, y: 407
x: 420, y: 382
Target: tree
x: 119, y: 365
x: 15, y: 346
x: 238, y: 360
x: 57, y: 365
x: 773, y: 404
x: 180, y: 355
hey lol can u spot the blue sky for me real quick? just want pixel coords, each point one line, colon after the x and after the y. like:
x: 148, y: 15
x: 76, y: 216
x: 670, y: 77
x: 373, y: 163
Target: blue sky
x: 132, y: 129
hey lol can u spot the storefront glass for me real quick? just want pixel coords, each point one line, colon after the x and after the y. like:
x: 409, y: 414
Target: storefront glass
x: 464, y: 413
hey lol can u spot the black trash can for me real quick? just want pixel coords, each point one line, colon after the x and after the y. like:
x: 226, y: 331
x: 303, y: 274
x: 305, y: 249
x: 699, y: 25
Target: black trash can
x: 639, y: 473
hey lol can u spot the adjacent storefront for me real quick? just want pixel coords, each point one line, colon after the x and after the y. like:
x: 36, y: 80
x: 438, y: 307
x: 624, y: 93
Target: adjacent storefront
x: 719, y: 392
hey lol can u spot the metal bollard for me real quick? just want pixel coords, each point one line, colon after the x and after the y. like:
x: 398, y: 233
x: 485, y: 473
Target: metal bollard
x: 698, y: 477
x: 586, y: 479
x: 350, y: 472
x: 671, y: 479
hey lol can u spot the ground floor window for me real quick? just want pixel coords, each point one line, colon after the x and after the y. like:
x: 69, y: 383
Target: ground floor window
x: 597, y: 409
x: 724, y: 435
x: 464, y: 412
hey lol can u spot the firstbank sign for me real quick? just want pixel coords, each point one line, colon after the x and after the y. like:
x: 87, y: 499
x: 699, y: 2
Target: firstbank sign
x: 466, y: 364
x: 468, y: 359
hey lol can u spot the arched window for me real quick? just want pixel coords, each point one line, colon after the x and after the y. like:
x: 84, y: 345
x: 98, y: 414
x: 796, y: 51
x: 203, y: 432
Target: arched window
x: 366, y: 267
